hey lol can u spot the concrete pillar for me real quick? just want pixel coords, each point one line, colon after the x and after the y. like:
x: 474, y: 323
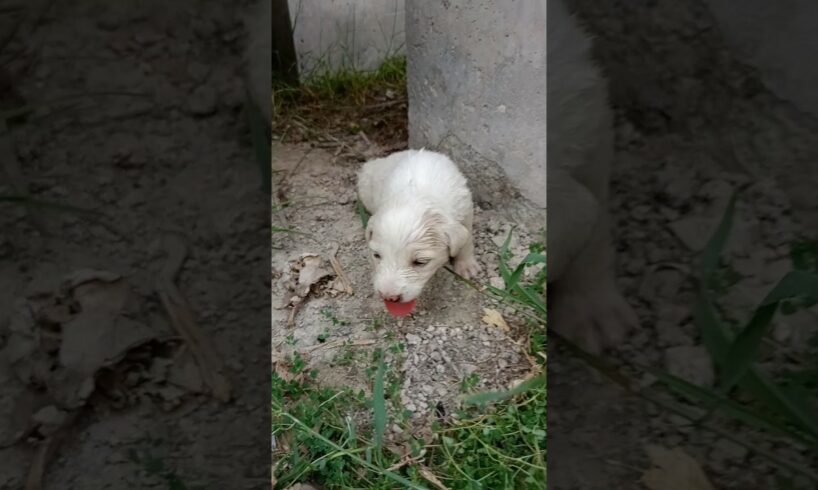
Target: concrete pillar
x: 477, y: 88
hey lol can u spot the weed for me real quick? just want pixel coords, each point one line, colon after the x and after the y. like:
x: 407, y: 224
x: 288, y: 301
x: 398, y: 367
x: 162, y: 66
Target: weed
x: 331, y: 106
x: 154, y: 465
x: 780, y: 404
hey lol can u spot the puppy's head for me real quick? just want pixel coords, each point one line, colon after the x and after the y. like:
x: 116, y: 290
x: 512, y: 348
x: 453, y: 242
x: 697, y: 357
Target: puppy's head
x: 408, y: 244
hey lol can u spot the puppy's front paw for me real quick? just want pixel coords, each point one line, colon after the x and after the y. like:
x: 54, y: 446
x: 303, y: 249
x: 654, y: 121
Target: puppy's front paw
x: 466, y: 266
x: 596, y: 318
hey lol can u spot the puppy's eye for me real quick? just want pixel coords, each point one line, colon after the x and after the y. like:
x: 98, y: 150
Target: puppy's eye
x: 376, y: 255
x: 419, y: 262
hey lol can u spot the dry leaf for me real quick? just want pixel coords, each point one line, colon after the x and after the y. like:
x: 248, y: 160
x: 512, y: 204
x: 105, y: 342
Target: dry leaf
x: 674, y: 469
x: 427, y: 474
x: 495, y: 319
x: 311, y: 271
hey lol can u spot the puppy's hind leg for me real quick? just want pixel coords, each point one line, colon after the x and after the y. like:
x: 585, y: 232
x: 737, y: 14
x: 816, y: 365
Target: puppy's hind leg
x: 584, y: 303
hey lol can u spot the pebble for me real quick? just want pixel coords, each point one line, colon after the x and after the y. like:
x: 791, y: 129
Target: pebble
x: 671, y: 335
x: 691, y: 363
x: 726, y: 450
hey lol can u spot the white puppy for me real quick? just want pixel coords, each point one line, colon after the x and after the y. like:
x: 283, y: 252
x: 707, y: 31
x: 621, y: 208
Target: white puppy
x: 421, y: 217
x: 584, y: 302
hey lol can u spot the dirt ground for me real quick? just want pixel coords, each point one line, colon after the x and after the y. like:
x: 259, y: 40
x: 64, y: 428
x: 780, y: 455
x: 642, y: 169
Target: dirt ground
x: 156, y: 142
x: 692, y: 124
x: 445, y: 340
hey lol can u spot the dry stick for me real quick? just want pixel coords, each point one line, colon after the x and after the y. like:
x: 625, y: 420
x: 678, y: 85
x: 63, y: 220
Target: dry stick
x: 336, y: 266
x: 210, y: 364
x: 45, y: 452
x: 340, y: 343
x: 427, y: 474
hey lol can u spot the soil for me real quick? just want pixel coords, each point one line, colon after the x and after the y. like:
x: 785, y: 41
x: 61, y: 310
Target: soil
x: 444, y: 341
x: 157, y: 126
x: 692, y: 125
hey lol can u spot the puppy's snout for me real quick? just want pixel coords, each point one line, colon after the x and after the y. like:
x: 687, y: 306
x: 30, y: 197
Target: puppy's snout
x: 390, y: 297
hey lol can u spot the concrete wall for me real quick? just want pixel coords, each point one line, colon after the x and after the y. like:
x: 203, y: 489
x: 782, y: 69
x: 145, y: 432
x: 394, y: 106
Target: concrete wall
x: 333, y: 34
x: 777, y: 38
x: 477, y: 87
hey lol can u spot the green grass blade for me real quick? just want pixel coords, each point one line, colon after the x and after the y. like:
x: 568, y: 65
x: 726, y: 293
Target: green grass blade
x: 716, y: 243
x: 530, y: 259
x: 379, y: 406
x: 505, y: 272
x: 389, y: 474
x: 362, y: 214
x: 746, y: 346
x: 494, y: 396
x: 698, y: 394
x: 715, y: 335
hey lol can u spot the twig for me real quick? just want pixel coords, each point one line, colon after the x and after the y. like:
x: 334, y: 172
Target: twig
x: 427, y: 474
x: 210, y: 364
x: 340, y: 343
x: 336, y: 266
x: 45, y: 453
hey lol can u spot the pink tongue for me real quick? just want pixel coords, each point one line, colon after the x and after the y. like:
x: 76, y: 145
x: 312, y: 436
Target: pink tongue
x: 400, y: 309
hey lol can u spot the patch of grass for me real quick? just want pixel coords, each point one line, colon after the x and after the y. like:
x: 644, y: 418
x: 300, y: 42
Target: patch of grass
x: 155, y: 465
x: 321, y: 438
x: 503, y: 448
x: 331, y: 106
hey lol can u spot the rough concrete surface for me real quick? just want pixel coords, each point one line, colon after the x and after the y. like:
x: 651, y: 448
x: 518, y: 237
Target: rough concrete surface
x: 476, y: 82
x: 346, y: 34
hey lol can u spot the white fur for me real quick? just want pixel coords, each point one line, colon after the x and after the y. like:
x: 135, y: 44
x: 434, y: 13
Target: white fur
x: 584, y: 302
x: 421, y: 209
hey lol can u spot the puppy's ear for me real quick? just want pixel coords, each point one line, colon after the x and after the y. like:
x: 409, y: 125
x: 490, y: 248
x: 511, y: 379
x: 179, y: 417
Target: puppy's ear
x: 456, y: 236
x: 441, y: 228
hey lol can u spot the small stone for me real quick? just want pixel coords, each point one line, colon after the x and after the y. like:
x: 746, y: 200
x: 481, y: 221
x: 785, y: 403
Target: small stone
x: 50, y: 418
x: 691, y: 363
x: 727, y: 450
x: 694, y: 231
x: 412, y: 339
x: 497, y: 282
x: 671, y: 335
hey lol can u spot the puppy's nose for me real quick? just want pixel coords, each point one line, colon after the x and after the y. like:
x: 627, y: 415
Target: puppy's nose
x: 390, y: 297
